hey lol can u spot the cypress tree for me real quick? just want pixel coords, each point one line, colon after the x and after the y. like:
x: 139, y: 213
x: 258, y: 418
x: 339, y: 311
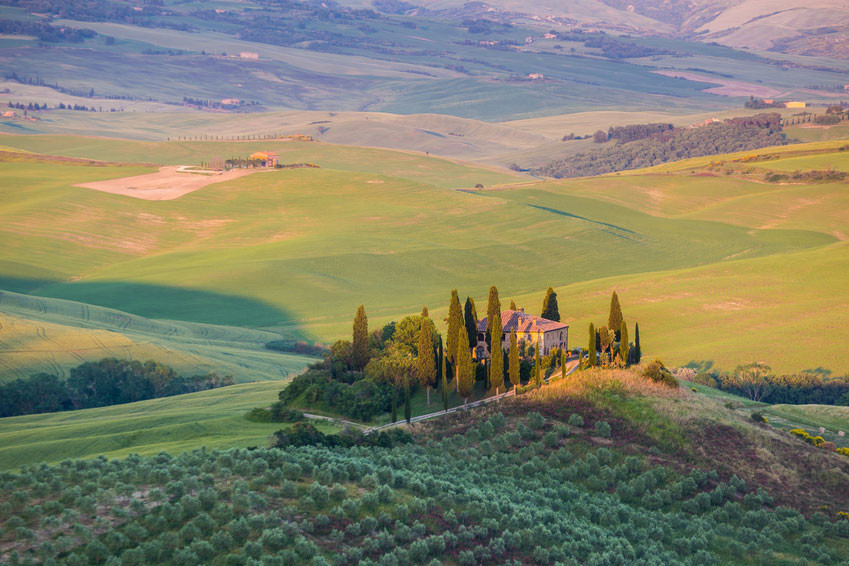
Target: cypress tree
x: 493, y: 312
x: 496, y: 366
x: 465, y: 371
x: 493, y: 319
x: 549, y: 306
x: 563, y: 364
x: 512, y: 305
x: 638, y: 353
x: 513, y: 361
x: 604, y: 335
x: 537, y: 368
x: 359, y: 347
x: 593, y: 360
x: 425, y: 313
x: 471, y: 322
x: 408, y: 407
x: 614, y: 321
x: 624, y: 353
x: 394, y: 402
x: 425, y: 364
x: 444, y: 385
x: 455, y: 321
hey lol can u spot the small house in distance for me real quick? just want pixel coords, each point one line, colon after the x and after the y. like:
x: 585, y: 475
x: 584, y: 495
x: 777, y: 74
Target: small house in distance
x: 265, y: 158
x: 542, y: 333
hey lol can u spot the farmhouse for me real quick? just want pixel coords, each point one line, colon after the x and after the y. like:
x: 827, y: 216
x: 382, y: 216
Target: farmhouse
x: 265, y: 158
x: 249, y: 55
x: 794, y: 104
x: 541, y: 332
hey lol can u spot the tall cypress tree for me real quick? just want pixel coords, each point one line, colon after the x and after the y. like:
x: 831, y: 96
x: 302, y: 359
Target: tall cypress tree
x: 408, y: 406
x: 513, y: 361
x: 638, y: 353
x: 444, y: 385
x: 549, y: 306
x: 537, y: 368
x: 512, y: 305
x: 455, y: 320
x: 425, y: 312
x: 614, y: 320
x: 563, y: 363
x: 359, y: 347
x: 465, y: 371
x: 493, y: 319
x: 496, y: 365
x: 394, y: 402
x: 425, y: 364
x: 593, y: 360
x: 624, y: 352
x: 493, y: 312
x: 471, y: 322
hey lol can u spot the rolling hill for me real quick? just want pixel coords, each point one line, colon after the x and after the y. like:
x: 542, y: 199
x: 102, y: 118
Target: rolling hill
x: 295, y: 251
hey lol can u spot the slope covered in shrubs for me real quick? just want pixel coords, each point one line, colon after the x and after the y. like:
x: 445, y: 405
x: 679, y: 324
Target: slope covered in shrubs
x: 561, y: 475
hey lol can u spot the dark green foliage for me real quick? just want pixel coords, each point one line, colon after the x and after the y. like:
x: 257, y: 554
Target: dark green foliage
x: 550, y: 309
x: 736, y: 134
x: 470, y: 320
x: 792, y: 389
x: 364, y: 399
x: 425, y: 362
x: 465, y: 370
x: 98, y: 384
x: 359, y: 343
x: 280, y: 413
x: 637, y: 353
x: 408, y: 409
x: 444, y: 374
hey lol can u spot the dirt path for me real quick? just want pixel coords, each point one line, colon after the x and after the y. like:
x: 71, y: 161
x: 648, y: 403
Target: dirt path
x: 170, y: 182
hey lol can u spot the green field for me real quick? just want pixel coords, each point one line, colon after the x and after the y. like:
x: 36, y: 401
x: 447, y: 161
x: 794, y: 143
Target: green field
x: 53, y: 336
x: 214, y: 419
x: 699, y: 261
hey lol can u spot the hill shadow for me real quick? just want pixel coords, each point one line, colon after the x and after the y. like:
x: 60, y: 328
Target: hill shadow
x: 165, y: 303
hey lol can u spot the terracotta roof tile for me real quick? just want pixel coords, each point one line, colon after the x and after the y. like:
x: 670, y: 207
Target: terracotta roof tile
x: 523, y: 322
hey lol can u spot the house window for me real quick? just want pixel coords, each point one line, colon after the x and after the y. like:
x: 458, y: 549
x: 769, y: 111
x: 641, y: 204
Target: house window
x: 481, y: 337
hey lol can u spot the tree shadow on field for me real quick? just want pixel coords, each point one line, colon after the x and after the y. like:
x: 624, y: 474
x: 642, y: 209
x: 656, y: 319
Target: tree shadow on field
x: 165, y: 302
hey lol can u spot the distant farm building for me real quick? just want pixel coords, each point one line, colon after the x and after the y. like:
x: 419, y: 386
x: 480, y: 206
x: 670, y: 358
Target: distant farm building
x: 550, y: 35
x: 542, y: 333
x: 230, y: 102
x: 249, y: 55
x: 536, y: 76
x: 9, y: 114
x: 265, y: 158
x: 794, y: 104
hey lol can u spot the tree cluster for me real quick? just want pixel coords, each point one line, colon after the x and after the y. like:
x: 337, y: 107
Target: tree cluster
x: 756, y: 381
x: 732, y: 135
x: 98, y: 384
x: 45, y: 32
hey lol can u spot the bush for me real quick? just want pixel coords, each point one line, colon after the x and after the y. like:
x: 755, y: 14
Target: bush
x: 576, y: 420
x: 658, y: 373
x: 759, y: 418
x: 280, y: 413
x: 602, y: 428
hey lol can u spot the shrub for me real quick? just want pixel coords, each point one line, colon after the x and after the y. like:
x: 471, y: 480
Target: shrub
x: 576, y: 420
x: 535, y: 420
x: 658, y: 373
x: 602, y: 428
x: 843, y: 450
x: 759, y: 418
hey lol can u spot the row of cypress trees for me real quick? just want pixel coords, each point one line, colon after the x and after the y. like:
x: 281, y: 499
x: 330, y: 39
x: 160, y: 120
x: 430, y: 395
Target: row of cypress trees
x: 604, y: 339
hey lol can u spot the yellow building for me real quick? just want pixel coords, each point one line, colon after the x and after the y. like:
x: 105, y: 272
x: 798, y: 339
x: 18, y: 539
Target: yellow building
x: 266, y: 158
x: 794, y: 104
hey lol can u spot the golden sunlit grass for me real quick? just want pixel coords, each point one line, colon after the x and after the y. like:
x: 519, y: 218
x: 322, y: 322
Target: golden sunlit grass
x: 623, y: 381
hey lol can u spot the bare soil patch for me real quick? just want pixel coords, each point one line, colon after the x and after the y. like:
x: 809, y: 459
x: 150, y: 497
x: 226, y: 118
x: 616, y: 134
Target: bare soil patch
x: 169, y: 183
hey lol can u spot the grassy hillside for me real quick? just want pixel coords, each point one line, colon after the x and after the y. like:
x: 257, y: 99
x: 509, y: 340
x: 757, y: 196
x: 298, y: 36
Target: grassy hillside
x: 38, y: 334
x: 214, y: 419
x: 603, y: 467
x: 298, y: 250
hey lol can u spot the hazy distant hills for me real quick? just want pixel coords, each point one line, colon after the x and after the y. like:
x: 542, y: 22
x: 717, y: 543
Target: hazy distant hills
x: 820, y: 27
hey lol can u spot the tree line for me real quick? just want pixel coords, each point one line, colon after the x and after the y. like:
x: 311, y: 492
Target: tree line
x: 737, y: 134
x: 756, y: 381
x: 98, y: 384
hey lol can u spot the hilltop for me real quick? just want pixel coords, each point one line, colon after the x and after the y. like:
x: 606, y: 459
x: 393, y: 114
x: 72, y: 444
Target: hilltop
x: 605, y: 468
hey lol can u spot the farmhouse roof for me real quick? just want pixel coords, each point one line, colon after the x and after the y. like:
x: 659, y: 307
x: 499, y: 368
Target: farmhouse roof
x: 523, y: 322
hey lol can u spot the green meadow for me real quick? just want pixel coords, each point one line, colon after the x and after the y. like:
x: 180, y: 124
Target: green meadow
x: 717, y: 269
x: 215, y: 419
